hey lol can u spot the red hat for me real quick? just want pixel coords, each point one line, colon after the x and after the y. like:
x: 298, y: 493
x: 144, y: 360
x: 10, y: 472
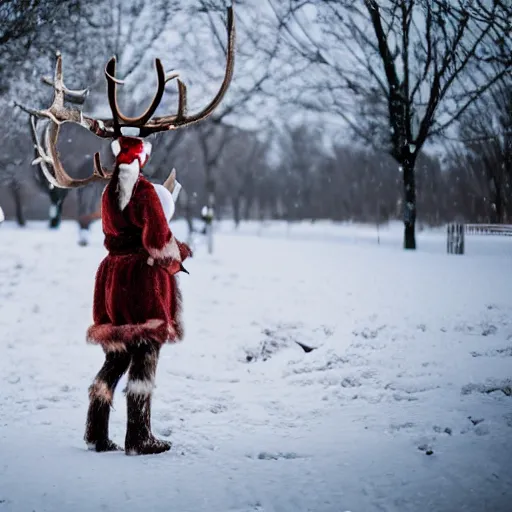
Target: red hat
x: 127, y: 149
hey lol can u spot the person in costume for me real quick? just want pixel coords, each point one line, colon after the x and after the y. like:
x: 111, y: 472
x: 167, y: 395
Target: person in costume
x: 137, y: 302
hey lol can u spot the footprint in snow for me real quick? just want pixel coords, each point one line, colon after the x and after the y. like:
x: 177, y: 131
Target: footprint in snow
x: 54, y: 398
x: 404, y: 398
x: 492, y: 387
x: 400, y: 426
x: 369, y: 334
x: 350, y: 382
x: 165, y: 432
x: 498, y: 352
x: 477, y: 426
x: 218, y: 408
x: 508, y: 419
x: 426, y: 448
x: 481, y: 429
x: 440, y: 430
x: 276, y: 456
x: 489, y: 329
x: 475, y: 421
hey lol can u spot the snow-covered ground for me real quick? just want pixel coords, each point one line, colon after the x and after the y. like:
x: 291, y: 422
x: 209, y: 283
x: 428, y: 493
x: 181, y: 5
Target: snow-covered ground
x: 405, y: 405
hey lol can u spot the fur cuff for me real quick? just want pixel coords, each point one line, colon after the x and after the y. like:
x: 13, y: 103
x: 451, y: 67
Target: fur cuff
x: 170, y: 250
x: 114, y: 338
x: 140, y: 387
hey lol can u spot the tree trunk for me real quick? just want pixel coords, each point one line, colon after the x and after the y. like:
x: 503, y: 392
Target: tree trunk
x: 236, y: 210
x: 409, y: 206
x: 497, y: 206
x: 18, y: 203
x: 209, y: 237
x: 210, y: 188
x: 249, y: 201
x: 55, y: 214
x: 189, y: 216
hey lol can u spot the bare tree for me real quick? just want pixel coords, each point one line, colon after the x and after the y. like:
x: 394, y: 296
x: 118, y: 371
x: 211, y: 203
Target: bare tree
x: 137, y: 30
x: 126, y: 29
x: 212, y: 142
x: 486, y: 132
x: 13, y: 165
x: 413, y: 68
x: 240, y: 168
x: 30, y: 28
x: 56, y: 195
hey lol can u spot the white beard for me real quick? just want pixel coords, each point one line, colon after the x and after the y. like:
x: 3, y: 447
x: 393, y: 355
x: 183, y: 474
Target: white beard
x: 128, y: 176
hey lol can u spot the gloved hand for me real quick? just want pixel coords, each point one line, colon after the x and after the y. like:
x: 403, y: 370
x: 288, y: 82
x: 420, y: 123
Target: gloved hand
x: 174, y: 266
x: 185, y: 251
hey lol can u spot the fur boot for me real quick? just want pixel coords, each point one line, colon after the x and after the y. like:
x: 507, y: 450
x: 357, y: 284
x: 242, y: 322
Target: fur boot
x: 139, y: 439
x: 101, y: 394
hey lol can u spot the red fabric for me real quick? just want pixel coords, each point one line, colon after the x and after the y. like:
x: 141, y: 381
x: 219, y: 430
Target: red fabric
x: 131, y: 148
x: 136, y: 292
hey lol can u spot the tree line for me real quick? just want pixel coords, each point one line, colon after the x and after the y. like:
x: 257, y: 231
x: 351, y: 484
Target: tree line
x: 341, y: 182
x: 420, y: 88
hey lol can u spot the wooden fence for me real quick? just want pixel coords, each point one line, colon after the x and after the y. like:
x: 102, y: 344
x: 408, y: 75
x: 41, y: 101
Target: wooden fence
x: 456, y: 234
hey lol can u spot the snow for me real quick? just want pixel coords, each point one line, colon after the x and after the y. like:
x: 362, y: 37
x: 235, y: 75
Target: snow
x: 413, y: 357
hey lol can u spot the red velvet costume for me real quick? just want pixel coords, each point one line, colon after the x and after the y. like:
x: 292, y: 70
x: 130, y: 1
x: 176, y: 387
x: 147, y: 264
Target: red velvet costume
x: 134, y: 299
x: 137, y: 302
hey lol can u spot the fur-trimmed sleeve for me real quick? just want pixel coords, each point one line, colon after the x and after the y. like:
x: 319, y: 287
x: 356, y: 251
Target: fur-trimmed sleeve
x: 147, y: 213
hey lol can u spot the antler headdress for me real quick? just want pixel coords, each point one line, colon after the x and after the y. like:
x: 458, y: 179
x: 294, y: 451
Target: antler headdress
x: 144, y: 124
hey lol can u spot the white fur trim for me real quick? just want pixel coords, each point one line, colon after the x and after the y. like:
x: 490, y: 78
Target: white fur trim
x: 130, y: 131
x: 128, y: 176
x: 116, y: 147
x: 170, y: 250
x: 147, y: 147
x: 101, y: 391
x: 112, y: 346
x: 140, y: 387
x: 166, y: 201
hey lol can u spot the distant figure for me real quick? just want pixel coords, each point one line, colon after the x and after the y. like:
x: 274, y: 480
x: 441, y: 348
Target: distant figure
x: 89, y: 209
x: 84, y: 224
x: 207, y: 218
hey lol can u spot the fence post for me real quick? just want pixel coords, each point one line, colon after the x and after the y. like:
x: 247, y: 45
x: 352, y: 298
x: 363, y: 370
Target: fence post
x: 450, y: 231
x: 455, y: 238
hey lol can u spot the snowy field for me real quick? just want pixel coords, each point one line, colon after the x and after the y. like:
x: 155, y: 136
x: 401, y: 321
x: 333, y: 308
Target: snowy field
x: 405, y: 405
